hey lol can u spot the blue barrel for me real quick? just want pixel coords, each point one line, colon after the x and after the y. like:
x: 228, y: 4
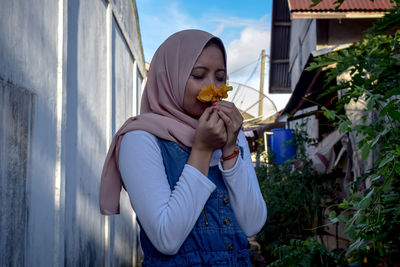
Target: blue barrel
x: 282, y: 144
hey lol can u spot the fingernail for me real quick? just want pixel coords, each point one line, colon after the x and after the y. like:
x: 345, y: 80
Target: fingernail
x: 213, y: 104
x: 218, y: 110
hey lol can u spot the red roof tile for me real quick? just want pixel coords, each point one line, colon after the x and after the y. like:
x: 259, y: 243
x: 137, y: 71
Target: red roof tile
x: 348, y: 5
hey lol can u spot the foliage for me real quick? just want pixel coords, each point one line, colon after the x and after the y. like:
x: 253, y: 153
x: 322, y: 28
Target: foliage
x: 305, y: 253
x: 389, y: 21
x: 373, y: 215
x: 296, y: 199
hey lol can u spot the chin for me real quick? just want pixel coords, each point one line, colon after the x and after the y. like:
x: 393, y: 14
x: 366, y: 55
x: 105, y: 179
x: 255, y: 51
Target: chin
x: 197, y: 109
x: 196, y: 113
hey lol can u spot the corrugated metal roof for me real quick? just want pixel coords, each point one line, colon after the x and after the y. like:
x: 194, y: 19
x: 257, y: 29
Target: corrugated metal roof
x: 348, y: 5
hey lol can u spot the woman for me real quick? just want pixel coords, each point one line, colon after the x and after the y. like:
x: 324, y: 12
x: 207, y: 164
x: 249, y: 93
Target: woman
x: 186, y: 164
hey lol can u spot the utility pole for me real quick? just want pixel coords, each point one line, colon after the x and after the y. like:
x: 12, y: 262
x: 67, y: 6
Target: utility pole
x: 261, y: 95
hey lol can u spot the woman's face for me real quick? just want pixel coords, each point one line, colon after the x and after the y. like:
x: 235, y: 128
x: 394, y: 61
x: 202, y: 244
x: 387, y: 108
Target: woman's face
x: 209, y: 68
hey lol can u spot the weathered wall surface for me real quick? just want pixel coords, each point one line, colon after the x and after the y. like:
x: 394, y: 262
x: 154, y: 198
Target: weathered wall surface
x: 28, y: 60
x: 68, y: 80
x: 124, y: 88
x: 86, y: 94
x: 303, y: 40
x: 127, y: 20
x: 16, y: 105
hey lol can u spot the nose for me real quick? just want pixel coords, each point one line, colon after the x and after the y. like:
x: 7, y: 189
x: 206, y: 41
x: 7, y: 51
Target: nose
x: 209, y: 80
x: 213, y: 79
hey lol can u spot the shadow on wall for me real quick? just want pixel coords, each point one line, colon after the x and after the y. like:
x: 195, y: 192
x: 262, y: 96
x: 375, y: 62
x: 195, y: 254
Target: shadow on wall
x: 81, y: 193
x: 27, y: 60
x: 16, y: 110
x: 27, y: 165
x: 84, y: 152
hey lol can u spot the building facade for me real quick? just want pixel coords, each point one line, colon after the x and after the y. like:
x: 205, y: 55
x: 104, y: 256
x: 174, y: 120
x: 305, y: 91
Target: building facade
x: 71, y: 72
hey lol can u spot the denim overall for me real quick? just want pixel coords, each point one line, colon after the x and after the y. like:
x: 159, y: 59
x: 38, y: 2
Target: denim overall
x: 216, y: 238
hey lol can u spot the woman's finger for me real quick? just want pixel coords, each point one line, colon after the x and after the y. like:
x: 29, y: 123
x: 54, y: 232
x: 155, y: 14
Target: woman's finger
x: 225, y: 118
x: 226, y: 105
x: 221, y: 124
x: 221, y: 128
x: 230, y: 110
x: 224, y: 102
x: 213, y: 117
x: 232, y: 122
x: 206, y: 114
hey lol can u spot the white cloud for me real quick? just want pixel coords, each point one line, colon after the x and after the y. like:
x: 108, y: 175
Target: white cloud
x: 238, y: 21
x: 219, y: 29
x: 248, y: 48
x: 178, y: 20
x: 157, y: 27
x: 244, y: 38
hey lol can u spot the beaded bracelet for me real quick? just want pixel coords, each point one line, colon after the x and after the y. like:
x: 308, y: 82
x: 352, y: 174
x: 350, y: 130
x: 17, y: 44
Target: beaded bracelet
x: 231, y: 156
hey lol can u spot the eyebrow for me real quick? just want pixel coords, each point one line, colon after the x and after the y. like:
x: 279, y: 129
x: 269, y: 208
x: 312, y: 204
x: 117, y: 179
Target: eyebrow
x: 204, y: 68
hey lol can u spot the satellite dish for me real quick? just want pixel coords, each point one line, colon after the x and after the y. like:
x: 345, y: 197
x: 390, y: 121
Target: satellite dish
x: 254, y: 109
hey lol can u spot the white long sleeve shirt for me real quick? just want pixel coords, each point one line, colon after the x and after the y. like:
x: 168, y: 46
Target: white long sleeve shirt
x: 168, y: 216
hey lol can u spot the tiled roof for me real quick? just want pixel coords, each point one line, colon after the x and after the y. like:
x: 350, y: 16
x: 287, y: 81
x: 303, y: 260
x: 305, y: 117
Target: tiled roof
x: 348, y: 5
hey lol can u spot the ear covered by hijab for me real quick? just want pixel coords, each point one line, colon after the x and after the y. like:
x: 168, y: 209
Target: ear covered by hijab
x: 161, y: 108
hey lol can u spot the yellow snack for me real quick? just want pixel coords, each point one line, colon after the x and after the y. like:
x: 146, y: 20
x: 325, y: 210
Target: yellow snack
x: 212, y: 94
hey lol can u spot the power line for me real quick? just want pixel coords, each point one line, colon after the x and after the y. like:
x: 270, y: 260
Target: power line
x: 248, y: 64
x: 243, y: 67
x: 254, y: 70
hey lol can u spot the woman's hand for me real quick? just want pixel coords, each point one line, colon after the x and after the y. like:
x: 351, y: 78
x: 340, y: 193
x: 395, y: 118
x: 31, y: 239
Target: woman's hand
x: 210, y: 133
x: 233, y: 122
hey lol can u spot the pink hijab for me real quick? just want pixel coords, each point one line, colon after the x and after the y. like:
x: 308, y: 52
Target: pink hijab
x: 161, y: 108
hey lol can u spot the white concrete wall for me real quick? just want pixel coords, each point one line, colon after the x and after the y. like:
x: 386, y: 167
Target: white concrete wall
x: 68, y: 72
x: 303, y: 40
x: 309, y: 124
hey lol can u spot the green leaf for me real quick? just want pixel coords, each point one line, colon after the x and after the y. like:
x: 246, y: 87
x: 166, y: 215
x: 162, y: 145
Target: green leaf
x: 344, y: 126
x: 397, y: 168
x: 394, y: 114
x: 372, y: 101
x: 385, y: 161
x: 365, y: 149
x: 330, y: 114
x: 355, y: 245
x: 392, y: 92
x: 391, y: 198
x: 342, y: 218
x: 378, y: 137
x: 374, y: 177
x: 315, y: 2
x: 344, y: 204
x: 334, y: 220
x: 364, y: 203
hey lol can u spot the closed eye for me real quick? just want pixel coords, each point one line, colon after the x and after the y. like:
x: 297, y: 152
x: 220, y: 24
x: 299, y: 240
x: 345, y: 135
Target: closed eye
x: 196, y: 77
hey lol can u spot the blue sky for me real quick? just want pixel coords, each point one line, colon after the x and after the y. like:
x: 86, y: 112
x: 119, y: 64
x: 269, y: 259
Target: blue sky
x: 243, y: 26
